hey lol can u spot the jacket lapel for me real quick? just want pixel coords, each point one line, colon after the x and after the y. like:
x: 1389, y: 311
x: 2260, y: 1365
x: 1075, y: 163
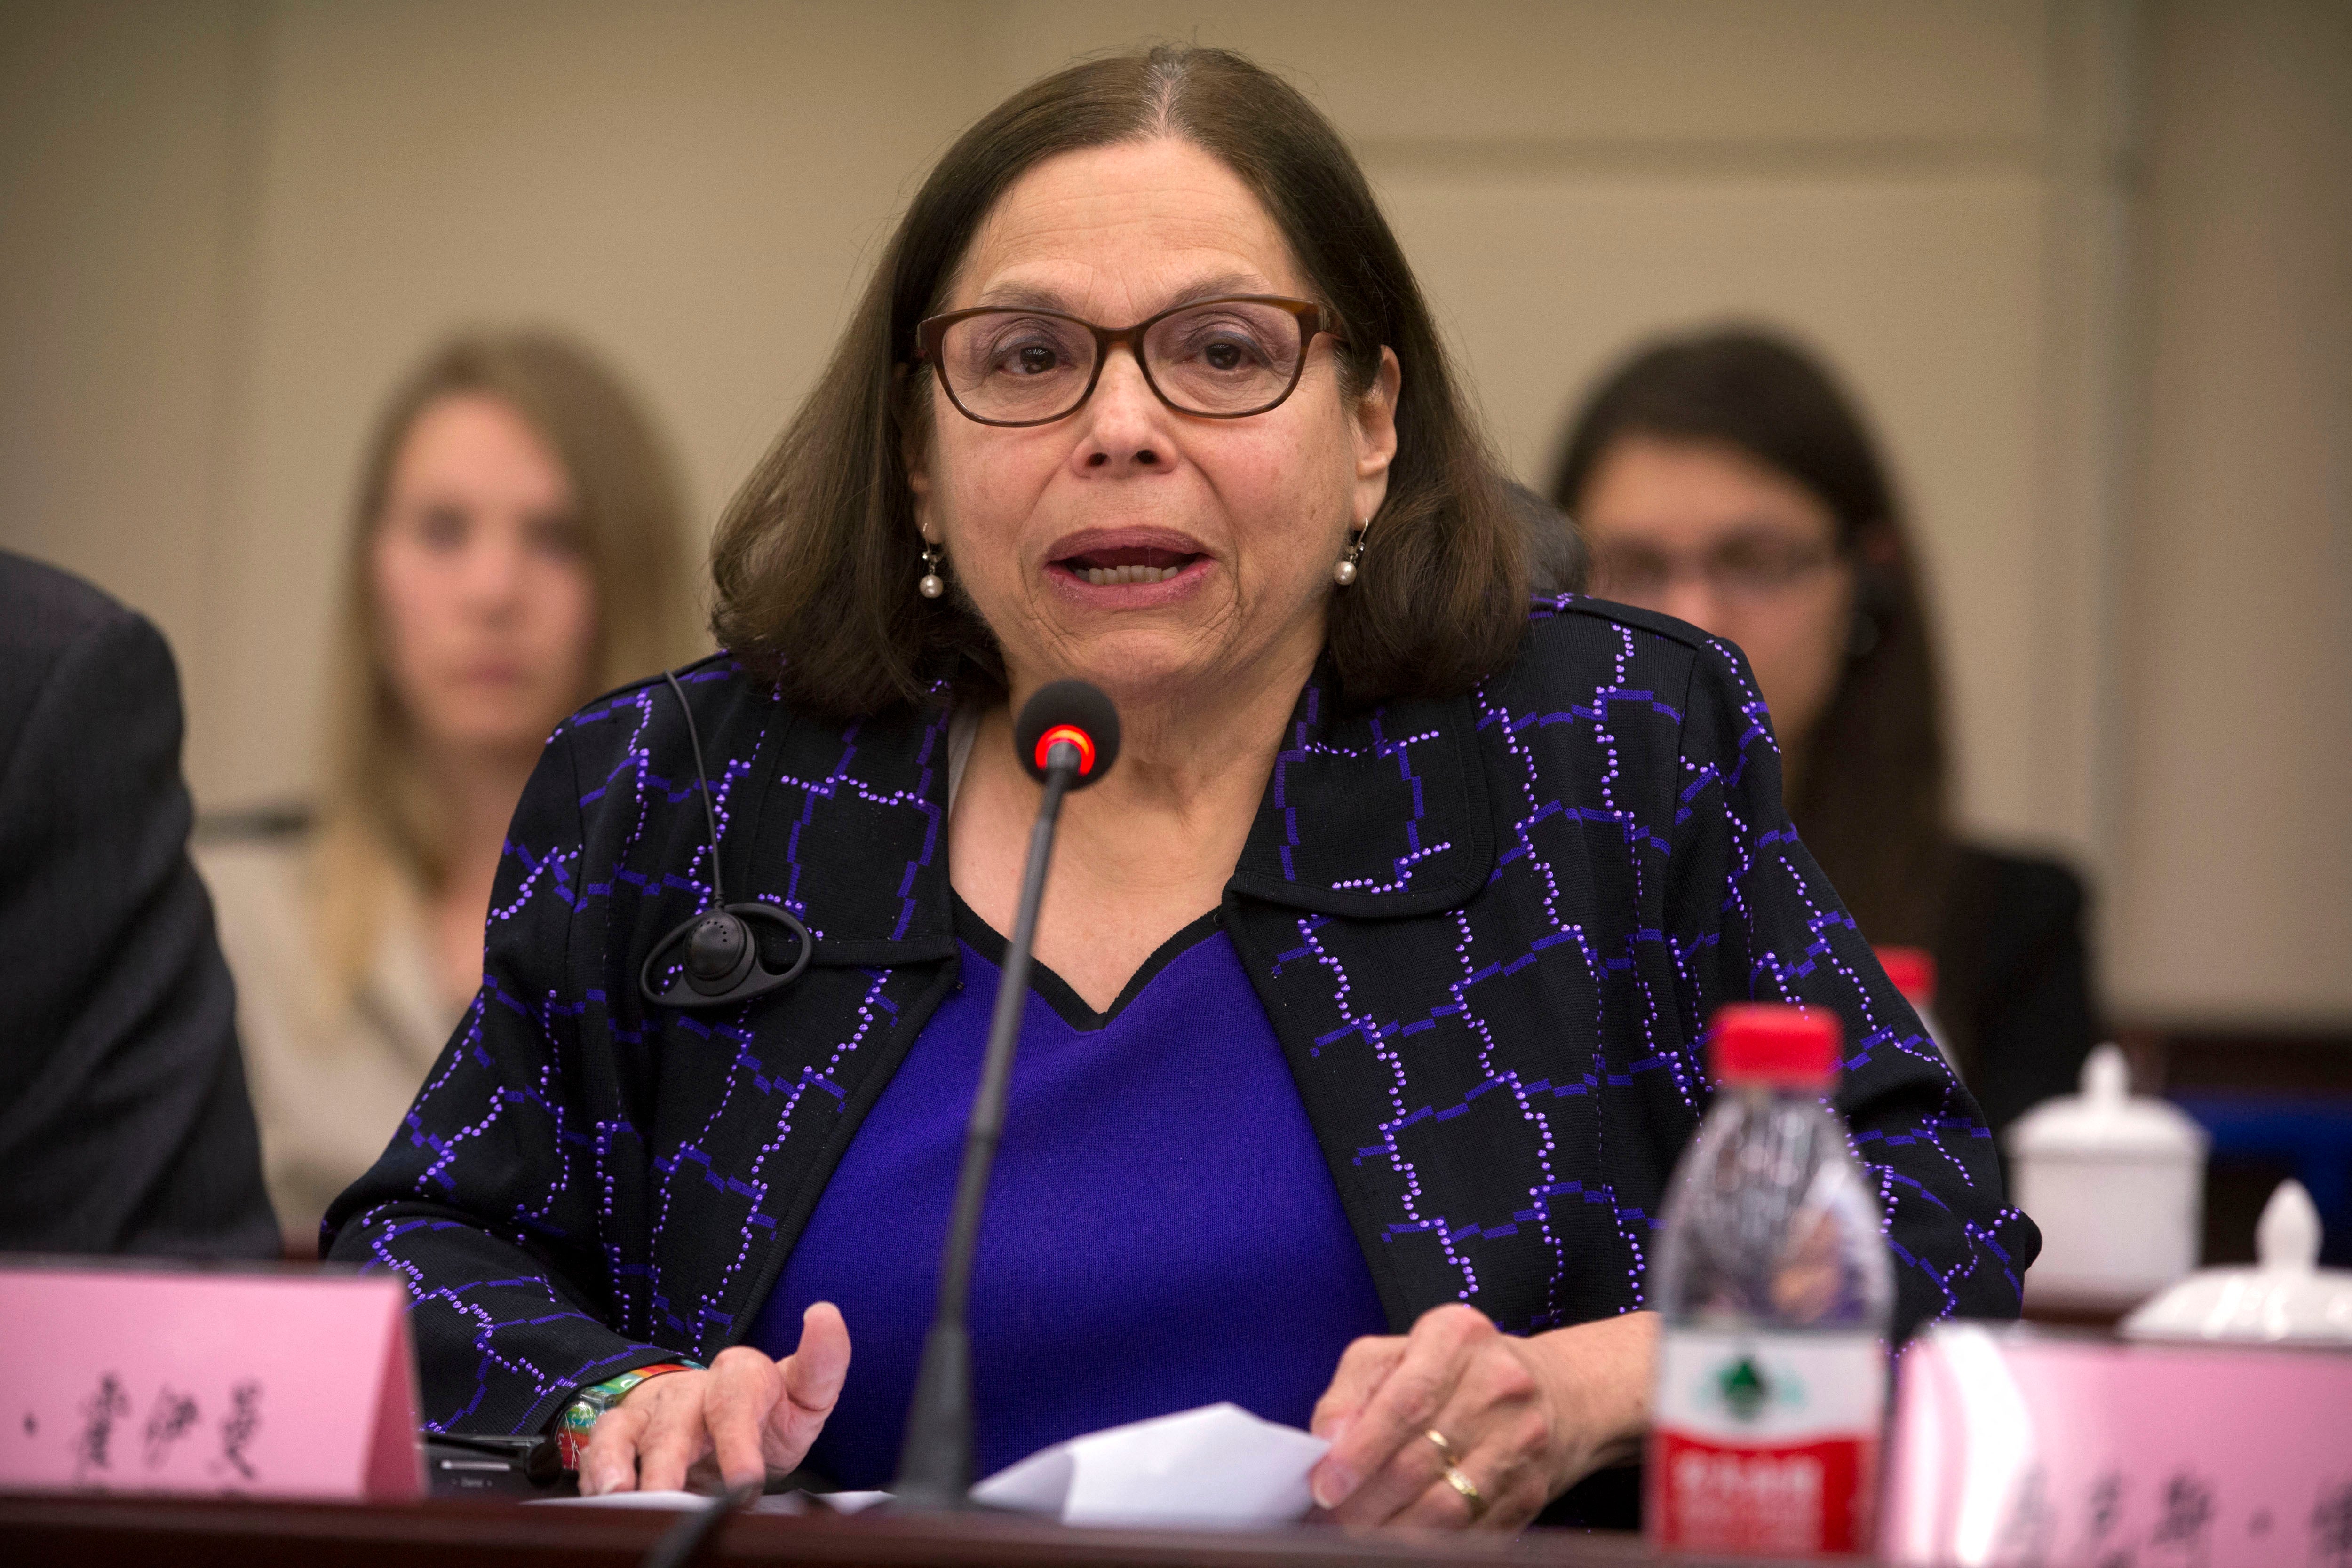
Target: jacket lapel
x: 851, y: 835
x: 1373, y: 831
x: 1374, y: 815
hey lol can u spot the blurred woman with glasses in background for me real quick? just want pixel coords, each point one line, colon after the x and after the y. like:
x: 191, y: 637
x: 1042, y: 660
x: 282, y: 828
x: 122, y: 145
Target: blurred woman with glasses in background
x: 518, y: 546
x: 1724, y: 479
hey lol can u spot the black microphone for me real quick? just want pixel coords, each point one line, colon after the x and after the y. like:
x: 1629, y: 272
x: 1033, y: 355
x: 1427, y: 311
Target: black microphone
x: 1067, y: 738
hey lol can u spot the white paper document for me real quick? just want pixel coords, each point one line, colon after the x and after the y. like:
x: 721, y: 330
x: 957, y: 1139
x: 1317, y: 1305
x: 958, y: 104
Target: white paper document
x: 1218, y: 1467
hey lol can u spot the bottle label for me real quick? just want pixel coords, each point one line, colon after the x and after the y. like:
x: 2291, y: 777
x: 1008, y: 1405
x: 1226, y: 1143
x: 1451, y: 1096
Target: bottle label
x: 1765, y: 1442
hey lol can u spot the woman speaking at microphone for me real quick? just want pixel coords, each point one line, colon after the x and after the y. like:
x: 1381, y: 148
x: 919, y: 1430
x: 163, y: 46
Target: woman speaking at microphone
x: 1374, y: 978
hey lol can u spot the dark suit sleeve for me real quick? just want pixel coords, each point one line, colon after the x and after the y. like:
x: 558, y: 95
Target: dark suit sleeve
x: 124, y: 1123
x: 487, y: 1203
x: 1756, y: 919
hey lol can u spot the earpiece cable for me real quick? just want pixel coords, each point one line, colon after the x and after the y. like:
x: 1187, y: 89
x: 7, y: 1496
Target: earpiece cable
x: 717, y: 889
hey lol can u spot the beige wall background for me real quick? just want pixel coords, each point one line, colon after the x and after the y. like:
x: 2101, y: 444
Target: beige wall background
x: 2089, y: 265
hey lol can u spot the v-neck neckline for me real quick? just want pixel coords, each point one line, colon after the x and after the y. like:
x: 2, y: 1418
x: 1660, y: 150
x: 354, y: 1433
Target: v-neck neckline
x: 1058, y: 994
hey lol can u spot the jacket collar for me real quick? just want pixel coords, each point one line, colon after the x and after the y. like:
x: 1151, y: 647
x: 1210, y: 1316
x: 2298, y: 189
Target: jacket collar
x: 1375, y: 814
x: 852, y: 835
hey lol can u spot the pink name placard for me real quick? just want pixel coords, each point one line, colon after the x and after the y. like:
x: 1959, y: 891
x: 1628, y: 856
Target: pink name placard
x: 254, y: 1384
x: 2011, y: 1446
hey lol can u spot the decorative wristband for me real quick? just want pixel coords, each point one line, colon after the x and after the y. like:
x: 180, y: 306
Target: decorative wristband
x: 571, y: 1428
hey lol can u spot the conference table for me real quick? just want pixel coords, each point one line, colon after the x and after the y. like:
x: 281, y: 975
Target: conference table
x: 85, y: 1531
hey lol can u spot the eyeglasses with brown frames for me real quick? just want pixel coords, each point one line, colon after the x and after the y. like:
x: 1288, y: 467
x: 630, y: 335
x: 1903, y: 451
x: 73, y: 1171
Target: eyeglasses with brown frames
x: 1226, y: 358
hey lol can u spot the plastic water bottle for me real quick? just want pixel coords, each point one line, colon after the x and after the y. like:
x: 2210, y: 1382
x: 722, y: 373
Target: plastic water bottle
x: 1772, y: 1280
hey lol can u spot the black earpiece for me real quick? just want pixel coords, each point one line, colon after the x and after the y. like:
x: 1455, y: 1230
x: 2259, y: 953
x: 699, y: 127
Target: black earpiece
x: 721, y: 963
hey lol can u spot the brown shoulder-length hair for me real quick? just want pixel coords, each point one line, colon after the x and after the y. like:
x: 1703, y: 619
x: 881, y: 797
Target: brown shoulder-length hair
x: 382, y: 833
x: 816, y: 563
x: 1871, y: 797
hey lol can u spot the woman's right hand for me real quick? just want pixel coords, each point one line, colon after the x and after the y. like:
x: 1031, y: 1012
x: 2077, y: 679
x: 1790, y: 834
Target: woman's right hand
x: 745, y: 1419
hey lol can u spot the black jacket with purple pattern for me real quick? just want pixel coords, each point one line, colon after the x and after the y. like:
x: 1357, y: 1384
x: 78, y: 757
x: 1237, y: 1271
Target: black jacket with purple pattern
x: 1488, y: 931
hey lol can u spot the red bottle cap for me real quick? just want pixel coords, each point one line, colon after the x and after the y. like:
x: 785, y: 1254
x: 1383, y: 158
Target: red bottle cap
x: 1772, y: 1045
x: 1913, y: 970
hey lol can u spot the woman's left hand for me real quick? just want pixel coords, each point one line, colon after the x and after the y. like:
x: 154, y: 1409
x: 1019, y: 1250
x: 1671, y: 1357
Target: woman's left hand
x: 1458, y: 1425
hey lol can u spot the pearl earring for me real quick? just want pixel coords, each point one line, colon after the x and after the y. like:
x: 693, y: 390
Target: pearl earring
x: 932, y: 587
x: 1345, y: 572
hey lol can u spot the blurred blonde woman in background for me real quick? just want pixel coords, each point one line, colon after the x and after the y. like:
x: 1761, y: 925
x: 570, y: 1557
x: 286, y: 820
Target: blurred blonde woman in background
x: 518, y: 545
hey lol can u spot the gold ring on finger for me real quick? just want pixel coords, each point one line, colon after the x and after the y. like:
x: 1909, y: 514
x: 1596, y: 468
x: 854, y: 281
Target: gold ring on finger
x: 1469, y: 1491
x: 1444, y: 1449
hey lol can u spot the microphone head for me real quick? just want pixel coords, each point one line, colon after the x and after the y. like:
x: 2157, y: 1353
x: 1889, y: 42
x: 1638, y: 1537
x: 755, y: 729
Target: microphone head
x: 1072, y: 711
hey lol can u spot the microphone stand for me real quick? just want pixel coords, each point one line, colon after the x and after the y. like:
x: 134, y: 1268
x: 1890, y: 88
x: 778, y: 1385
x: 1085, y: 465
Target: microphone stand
x: 935, y: 1465
x: 684, y: 1542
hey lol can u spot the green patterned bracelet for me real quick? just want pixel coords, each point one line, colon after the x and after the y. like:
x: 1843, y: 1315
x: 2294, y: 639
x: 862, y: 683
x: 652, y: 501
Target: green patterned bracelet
x: 572, y: 1426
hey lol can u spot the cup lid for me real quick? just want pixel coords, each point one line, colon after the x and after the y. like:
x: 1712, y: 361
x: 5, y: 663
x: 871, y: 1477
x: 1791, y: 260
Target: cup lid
x: 2106, y: 1119
x: 2285, y: 1298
